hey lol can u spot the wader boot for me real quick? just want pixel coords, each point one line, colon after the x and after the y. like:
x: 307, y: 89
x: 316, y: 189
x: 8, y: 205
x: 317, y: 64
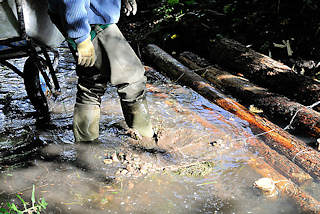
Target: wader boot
x: 138, y: 119
x: 137, y: 116
x: 86, y: 122
x: 118, y: 64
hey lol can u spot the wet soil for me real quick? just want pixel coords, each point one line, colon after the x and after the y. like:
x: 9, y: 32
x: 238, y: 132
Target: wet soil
x: 203, y: 168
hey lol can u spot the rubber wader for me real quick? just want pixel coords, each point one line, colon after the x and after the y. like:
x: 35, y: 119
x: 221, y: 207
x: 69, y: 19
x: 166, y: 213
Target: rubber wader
x: 86, y: 119
x: 116, y: 62
x: 86, y: 122
x: 137, y: 116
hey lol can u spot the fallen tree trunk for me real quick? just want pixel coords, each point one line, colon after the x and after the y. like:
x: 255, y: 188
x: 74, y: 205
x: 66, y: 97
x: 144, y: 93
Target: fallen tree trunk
x: 273, y: 158
x: 278, y: 139
x: 279, y: 162
x: 263, y: 70
x: 275, y: 106
x: 267, y: 167
x: 286, y: 188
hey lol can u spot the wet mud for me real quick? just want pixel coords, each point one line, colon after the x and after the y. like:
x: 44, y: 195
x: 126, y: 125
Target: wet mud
x: 202, y: 167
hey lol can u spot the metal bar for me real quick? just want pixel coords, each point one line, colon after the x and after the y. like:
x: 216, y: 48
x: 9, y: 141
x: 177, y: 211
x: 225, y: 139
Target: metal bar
x: 14, y: 56
x: 44, y: 74
x: 17, y: 52
x: 11, y: 50
x: 56, y: 57
x: 12, y: 67
x: 14, y: 48
x: 51, y: 70
x: 6, y: 41
x: 21, y: 18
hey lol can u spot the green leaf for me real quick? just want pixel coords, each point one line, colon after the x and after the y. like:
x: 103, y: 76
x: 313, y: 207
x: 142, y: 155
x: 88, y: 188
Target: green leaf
x: 14, y: 207
x: 43, y: 204
x: 33, y: 199
x: 3, y: 211
x: 23, y: 202
x: 38, y: 209
x: 190, y: 2
x: 173, y: 2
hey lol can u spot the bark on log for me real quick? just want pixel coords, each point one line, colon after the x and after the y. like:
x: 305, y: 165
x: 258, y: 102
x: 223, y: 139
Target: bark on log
x: 273, y: 158
x: 279, y: 162
x: 306, y: 202
x: 278, y: 139
x: 275, y: 106
x: 265, y: 71
x: 266, y: 168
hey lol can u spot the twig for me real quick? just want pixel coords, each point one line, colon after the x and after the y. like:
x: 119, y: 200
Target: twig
x: 295, y: 115
x: 179, y: 77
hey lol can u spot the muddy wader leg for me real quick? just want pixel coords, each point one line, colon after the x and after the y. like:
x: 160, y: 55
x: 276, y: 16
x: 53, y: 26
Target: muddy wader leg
x: 92, y: 84
x: 86, y: 122
x: 116, y: 63
x: 127, y: 74
x: 137, y: 116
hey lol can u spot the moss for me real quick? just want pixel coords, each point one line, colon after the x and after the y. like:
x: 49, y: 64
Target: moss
x: 195, y: 170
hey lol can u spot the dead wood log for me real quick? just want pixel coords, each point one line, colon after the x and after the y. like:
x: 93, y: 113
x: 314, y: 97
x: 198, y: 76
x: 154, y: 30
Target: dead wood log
x: 265, y: 71
x: 278, y: 139
x: 275, y: 106
x: 273, y: 158
x: 306, y: 202
x: 278, y: 161
x: 265, y: 168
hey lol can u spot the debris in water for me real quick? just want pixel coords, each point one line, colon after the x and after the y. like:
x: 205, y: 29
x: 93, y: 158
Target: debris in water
x: 115, y: 157
x: 267, y: 187
x: 107, y: 161
x: 255, y: 110
x: 196, y: 169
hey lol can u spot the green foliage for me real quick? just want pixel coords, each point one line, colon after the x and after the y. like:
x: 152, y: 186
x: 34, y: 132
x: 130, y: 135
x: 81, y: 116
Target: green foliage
x: 172, y: 2
x: 229, y: 8
x: 174, y: 9
x: 182, y: 2
x: 36, y: 206
x: 311, y: 4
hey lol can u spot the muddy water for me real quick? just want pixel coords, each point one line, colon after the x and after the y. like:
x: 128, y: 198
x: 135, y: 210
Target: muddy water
x: 203, y: 170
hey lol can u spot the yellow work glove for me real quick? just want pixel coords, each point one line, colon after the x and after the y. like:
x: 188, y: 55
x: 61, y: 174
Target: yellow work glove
x: 130, y: 7
x: 86, y: 53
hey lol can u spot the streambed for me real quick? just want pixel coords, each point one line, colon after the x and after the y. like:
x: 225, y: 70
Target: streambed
x: 204, y: 168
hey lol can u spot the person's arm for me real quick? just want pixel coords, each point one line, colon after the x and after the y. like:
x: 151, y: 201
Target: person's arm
x: 75, y: 14
x: 77, y: 27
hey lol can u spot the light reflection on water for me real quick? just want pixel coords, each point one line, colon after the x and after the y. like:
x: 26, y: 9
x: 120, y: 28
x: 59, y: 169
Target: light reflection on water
x: 216, y: 193
x: 73, y: 178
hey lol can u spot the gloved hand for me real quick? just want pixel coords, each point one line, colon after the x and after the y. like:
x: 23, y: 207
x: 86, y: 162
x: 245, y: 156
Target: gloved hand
x: 86, y: 53
x: 130, y: 6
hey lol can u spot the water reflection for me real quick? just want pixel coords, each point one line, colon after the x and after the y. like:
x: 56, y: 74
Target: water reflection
x: 87, y: 178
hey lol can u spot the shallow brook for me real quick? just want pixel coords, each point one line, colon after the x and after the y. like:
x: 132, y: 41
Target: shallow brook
x: 204, y: 168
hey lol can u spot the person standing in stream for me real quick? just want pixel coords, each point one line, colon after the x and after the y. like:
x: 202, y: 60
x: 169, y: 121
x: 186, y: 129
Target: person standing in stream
x: 103, y: 55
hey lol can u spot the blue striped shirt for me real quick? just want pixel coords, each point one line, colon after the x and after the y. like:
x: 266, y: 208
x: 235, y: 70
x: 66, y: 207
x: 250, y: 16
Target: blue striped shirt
x: 76, y: 16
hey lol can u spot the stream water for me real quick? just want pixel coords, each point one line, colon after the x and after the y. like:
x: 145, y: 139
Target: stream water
x: 204, y: 169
